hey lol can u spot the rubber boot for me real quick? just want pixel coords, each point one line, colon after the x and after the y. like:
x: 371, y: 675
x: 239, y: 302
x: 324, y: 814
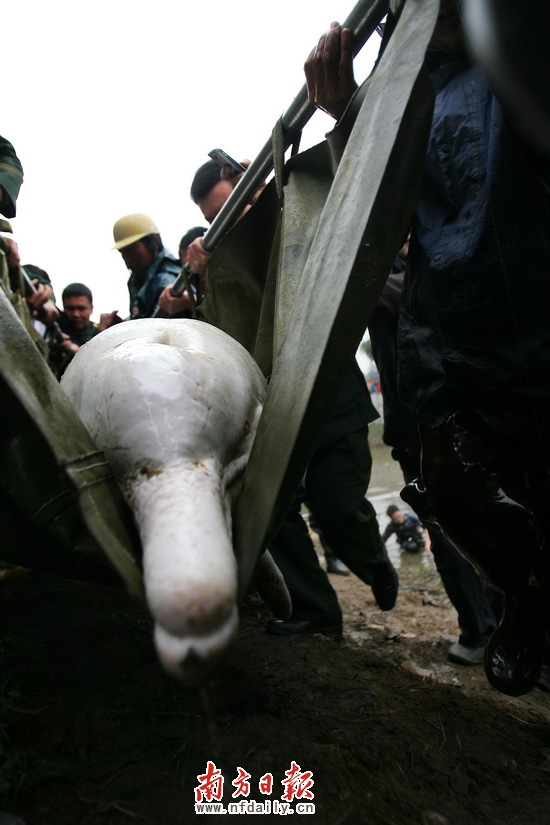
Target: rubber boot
x: 479, y: 495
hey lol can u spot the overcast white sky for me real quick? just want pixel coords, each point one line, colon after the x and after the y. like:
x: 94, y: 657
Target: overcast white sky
x: 112, y: 106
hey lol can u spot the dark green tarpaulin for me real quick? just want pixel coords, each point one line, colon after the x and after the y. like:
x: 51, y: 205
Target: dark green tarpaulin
x: 60, y: 509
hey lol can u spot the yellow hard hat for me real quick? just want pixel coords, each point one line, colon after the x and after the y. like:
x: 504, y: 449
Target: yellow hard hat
x: 132, y: 228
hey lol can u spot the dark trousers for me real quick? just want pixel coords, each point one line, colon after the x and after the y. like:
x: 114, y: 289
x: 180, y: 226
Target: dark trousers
x: 335, y: 484
x: 479, y: 607
x: 313, y: 596
x: 490, y: 496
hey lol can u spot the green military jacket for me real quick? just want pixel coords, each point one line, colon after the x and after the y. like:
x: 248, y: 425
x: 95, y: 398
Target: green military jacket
x: 78, y: 336
x: 16, y: 295
x: 11, y: 177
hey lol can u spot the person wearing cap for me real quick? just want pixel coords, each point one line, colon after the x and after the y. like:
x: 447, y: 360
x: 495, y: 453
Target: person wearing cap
x: 11, y: 178
x: 151, y: 266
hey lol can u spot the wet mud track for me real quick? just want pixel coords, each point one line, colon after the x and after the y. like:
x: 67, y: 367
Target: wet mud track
x: 94, y: 733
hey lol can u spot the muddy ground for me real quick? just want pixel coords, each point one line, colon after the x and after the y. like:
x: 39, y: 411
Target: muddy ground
x: 92, y: 731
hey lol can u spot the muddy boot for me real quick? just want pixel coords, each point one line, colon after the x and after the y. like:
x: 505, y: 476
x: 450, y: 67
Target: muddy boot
x: 463, y: 655
x: 515, y: 652
x: 385, y: 585
x: 483, y: 501
x: 331, y: 626
x: 334, y: 565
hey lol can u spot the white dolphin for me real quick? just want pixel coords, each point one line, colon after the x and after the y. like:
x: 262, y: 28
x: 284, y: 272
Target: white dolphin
x: 174, y: 404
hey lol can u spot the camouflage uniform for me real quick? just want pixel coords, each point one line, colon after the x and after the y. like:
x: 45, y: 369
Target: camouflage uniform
x: 11, y: 178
